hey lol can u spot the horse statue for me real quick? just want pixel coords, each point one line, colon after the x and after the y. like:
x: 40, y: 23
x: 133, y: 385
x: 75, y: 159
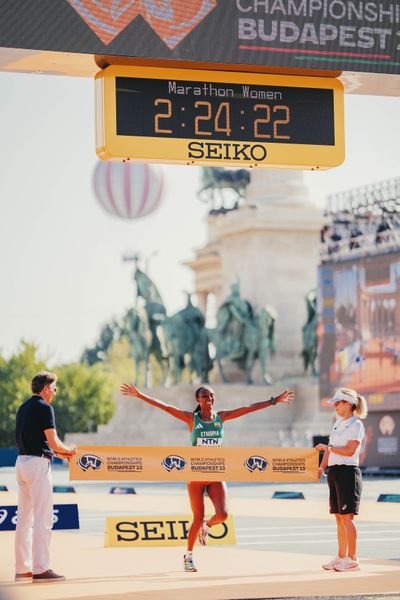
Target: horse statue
x: 242, y: 336
x: 200, y: 362
x: 259, y: 339
x: 232, y: 316
x: 218, y: 178
x: 147, y: 289
x: 310, y: 340
x: 135, y: 327
x: 177, y: 342
x: 139, y: 325
x: 156, y: 313
x: 187, y: 344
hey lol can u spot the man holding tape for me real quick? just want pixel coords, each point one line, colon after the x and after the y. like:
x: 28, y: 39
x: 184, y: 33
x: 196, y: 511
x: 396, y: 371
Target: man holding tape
x: 37, y: 442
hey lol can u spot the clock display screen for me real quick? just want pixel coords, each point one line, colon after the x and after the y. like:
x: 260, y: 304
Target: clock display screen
x: 177, y: 109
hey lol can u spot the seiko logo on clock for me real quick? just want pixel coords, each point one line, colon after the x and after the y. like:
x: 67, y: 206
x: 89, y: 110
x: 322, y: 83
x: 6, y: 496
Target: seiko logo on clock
x: 227, y: 151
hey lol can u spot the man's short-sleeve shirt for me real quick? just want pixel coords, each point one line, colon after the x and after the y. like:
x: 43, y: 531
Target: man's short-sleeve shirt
x: 33, y: 417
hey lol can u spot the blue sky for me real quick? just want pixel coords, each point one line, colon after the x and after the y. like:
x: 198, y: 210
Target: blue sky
x: 61, y: 270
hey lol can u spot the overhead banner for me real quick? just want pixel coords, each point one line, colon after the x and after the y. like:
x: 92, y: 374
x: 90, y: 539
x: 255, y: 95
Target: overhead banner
x: 181, y: 463
x: 130, y: 532
x: 359, y: 35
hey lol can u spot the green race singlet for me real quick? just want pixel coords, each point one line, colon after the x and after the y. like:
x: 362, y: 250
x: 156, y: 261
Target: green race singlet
x: 207, y: 433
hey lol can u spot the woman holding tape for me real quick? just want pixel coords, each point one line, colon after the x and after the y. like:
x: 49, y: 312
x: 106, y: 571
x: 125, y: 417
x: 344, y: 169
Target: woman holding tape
x: 206, y: 428
x: 341, y: 455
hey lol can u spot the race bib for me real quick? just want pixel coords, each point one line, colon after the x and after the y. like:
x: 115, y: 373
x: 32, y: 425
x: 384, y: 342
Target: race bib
x: 209, y: 442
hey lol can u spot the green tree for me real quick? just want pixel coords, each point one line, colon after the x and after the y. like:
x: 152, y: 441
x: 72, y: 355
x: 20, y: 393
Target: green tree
x: 15, y: 377
x: 84, y: 397
x: 83, y: 400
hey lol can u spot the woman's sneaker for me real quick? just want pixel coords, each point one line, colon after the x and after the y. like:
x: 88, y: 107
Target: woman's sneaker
x: 188, y: 564
x: 330, y: 566
x: 347, y: 564
x: 203, y: 533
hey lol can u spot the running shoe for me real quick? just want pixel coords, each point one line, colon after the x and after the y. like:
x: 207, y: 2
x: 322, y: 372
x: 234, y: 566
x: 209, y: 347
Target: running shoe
x: 188, y: 564
x: 203, y: 533
x: 330, y: 566
x: 347, y: 564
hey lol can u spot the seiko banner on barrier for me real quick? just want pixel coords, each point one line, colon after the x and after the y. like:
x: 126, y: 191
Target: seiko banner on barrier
x: 180, y: 463
x: 65, y: 516
x: 172, y: 530
x: 359, y: 35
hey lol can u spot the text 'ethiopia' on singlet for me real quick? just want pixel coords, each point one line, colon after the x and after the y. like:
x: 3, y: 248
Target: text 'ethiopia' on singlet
x: 206, y: 433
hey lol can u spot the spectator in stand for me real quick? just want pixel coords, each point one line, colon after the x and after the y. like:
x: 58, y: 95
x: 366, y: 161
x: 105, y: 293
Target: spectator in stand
x: 381, y: 231
x: 323, y: 233
x: 335, y: 238
x: 354, y: 234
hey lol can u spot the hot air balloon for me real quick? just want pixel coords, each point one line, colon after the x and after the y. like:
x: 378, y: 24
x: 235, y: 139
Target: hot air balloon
x: 128, y: 190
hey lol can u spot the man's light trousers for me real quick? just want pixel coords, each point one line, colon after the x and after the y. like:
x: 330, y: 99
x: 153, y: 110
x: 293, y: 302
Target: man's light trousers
x: 35, y: 514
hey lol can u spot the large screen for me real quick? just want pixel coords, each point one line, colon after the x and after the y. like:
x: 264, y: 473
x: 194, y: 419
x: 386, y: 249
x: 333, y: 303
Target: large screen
x: 329, y: 35
x: 359, y: 346
x: 224, y: 111
x: 359, y: 328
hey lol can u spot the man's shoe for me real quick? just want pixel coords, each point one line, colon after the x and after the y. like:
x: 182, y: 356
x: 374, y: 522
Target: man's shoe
x: 47, y: 577
x: 23, y: 576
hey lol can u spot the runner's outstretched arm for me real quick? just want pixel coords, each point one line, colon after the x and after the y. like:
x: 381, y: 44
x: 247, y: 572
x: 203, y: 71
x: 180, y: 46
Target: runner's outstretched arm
x: 286, y: 397
x: 131, y: 390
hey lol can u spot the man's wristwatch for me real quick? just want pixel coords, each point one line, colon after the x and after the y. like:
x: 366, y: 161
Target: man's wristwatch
x: 273, y: 400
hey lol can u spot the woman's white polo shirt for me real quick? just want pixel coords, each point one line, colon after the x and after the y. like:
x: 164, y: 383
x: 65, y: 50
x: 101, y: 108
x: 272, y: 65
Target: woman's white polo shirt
x: 343, y: 431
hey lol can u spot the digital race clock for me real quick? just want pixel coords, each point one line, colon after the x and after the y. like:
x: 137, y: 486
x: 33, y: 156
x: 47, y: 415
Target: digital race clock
x: 213, y: 117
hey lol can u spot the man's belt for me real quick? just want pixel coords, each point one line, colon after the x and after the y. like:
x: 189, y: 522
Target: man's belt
x: 41, y: 454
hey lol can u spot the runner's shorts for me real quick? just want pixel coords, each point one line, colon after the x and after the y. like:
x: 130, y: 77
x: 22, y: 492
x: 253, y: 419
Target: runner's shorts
x: 345, y: 485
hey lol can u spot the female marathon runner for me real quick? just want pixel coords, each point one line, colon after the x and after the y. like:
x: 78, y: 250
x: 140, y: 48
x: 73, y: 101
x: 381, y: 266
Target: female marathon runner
x: 206, y: 427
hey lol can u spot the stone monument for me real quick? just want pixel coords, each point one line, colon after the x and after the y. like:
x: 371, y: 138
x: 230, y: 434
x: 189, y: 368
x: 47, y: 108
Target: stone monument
x: 270, y: 244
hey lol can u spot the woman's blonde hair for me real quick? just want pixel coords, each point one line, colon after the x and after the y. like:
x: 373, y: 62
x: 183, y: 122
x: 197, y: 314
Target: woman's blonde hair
x: 361, y: 409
